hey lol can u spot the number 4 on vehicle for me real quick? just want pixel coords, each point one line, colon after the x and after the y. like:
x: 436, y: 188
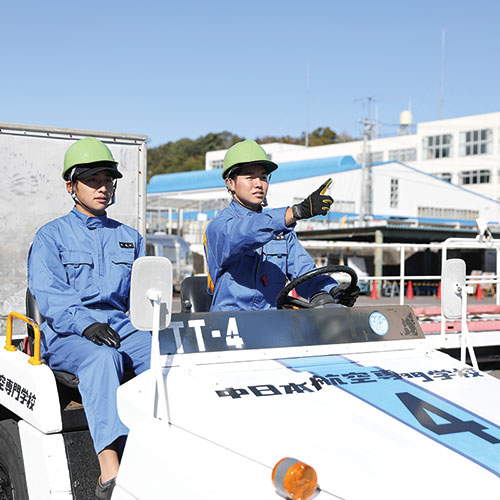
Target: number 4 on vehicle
x: 232, y: 335
x: 421, y: 410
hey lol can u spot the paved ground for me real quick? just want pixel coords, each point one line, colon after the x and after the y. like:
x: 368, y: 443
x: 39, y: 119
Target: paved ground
x: 420, y: 301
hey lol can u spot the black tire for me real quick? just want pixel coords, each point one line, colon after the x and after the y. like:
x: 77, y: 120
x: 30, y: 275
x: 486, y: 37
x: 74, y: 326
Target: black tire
x: 12, y: 476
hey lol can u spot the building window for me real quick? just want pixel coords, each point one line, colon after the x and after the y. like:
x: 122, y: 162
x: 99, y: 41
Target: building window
x: 447, y: 213
x: 217, y: 163
x: 445, y: 176
x: 372, y: 157
x: 409, y: 154
x: 394, y: 193
x: 437, y: 146
x: 475, y: 177
x: 476, y: 142
x: 342, y: 206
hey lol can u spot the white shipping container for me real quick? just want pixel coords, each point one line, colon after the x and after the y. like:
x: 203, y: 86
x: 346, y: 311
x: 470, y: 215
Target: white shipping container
x: 33, y: 193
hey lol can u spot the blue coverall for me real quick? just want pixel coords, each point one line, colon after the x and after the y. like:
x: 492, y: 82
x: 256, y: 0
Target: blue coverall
x: 79, y: 273
x: 250, y: 257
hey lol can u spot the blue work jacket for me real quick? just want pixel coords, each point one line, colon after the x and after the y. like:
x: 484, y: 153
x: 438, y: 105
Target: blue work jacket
x: 79, y: 271
x: 250, y: 257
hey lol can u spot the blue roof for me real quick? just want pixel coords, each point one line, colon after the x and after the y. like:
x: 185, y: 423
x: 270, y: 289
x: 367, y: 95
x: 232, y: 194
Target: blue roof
x: 288, y: 171
x: 185, y: 181
x: 333, y: 215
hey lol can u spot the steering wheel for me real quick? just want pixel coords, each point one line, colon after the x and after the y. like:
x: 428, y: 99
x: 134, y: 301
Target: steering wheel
x: 283, y: 299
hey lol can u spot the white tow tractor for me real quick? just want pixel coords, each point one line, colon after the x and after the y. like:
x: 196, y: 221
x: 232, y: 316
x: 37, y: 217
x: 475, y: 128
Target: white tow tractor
x: 330, y: 402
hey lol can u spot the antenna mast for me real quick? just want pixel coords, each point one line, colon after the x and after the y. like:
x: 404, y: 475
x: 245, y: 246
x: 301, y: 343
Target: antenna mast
x: 307, y: 104
x: 441, y: 90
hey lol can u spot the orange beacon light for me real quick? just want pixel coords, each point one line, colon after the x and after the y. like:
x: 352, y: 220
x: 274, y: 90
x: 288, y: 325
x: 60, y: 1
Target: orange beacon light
x: 295, y: 480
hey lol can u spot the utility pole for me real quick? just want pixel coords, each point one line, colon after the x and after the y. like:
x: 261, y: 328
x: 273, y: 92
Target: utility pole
x: 366, y: 195
x: 307, y: 104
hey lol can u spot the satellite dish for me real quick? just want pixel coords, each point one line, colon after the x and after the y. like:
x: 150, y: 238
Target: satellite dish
x: 453, y: 280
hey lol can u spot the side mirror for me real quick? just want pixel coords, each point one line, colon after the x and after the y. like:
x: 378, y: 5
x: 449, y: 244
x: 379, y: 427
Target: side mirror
x: 151, y: 282
x: 453, y: 279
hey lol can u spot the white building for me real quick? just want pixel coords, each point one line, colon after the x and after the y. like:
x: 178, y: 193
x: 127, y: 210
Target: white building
x: 464, y: 151
x: 398, y: 191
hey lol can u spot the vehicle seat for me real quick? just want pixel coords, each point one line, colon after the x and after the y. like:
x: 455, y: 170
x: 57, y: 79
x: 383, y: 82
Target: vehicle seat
x: 194, y: 295
x: 67, y: 379
x: 72, y: 412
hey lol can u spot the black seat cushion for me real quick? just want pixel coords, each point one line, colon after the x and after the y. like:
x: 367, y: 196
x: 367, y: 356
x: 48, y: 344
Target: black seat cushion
x: 33, y: 313
x: 194, y: 295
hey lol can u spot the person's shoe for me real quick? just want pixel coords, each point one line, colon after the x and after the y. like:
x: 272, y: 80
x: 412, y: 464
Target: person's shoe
x: 103, y: 492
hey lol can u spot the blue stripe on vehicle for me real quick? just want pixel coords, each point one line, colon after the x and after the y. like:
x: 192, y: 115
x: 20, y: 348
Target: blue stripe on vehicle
x: 382, y: 395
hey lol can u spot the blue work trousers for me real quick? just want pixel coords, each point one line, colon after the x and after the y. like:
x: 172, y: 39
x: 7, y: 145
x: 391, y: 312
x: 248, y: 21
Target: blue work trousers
x: 100, y: 371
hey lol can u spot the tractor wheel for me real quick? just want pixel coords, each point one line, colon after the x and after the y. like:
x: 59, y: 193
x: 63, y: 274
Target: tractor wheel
x: 12, y: 477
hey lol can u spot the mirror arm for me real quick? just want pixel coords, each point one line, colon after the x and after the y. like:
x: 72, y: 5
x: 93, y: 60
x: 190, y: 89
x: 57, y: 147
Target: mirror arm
x: 465, y: 339
x: 159, y: 402
x: 154, y: 295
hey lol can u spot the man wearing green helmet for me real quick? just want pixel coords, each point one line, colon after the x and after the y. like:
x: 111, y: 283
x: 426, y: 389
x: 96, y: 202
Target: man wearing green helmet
x: 252, y: 252
x: 86, y: 158
x: 79, y: 270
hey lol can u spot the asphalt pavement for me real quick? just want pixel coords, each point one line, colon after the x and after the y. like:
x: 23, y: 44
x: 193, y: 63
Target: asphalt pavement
x: 419, y: 301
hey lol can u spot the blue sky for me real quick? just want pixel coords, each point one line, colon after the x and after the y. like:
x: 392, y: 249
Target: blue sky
x: 182, y: 69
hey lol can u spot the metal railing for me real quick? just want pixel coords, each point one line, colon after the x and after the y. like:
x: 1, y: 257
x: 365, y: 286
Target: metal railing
x: 450, y: 243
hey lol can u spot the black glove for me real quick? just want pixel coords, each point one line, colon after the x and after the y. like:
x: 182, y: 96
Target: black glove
x: 343, y: 296
x: 101, y: 333
x: 320, y: 299
x: 317, y: 203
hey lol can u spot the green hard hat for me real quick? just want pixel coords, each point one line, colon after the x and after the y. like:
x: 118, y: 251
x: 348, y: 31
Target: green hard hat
x: 89, y: 153
x: 246, y: 153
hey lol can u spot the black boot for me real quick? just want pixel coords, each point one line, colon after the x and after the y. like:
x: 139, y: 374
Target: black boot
x: 104, y: 492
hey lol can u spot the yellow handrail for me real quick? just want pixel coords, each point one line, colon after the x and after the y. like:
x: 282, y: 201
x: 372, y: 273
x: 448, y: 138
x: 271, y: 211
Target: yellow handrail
x: 35, y: 359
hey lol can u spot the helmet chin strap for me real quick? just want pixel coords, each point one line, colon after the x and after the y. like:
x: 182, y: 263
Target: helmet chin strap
x: 91, y: 210
x: 262, y: 204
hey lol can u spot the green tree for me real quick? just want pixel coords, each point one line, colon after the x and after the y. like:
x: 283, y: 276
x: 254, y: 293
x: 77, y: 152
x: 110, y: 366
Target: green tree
x: 187, y: 154
x: 325, y: 135
x: 286, y: 139
x: 318, y: 137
